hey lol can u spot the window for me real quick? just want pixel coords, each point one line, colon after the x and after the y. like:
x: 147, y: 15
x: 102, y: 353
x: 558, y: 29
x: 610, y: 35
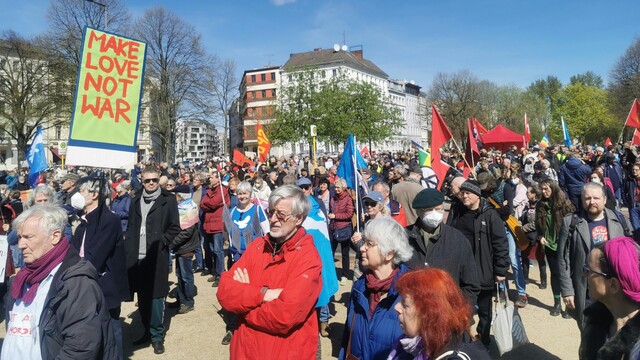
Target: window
x: 273, y: 93
x: 264, y: 94
x: 58, y: 132
x: 323, y: 73
x: 253, y: 78
x: 263, y: 77
x: 273, y: 76
x: 335, y: 72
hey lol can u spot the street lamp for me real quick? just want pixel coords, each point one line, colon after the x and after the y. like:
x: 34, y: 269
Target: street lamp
x: 103, y: 6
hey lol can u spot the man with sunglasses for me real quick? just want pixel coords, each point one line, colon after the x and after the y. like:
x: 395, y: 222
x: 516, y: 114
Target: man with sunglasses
x: 579, y: 233
x: 153, y: 224
x: 275, y: 285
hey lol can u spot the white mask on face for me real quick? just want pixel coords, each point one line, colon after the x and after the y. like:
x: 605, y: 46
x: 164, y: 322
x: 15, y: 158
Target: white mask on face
x: 77, y: 201
x: 597, y: 181
x: 433, y: 218
x: 515, y: 181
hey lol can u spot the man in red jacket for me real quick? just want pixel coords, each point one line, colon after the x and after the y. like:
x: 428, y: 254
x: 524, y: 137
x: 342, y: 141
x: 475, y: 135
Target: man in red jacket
x: 212, y: 205
x: 274, y: 286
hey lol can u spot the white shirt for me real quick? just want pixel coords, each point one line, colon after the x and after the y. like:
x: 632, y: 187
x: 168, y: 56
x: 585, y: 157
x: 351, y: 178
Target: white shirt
x: 22, y: 340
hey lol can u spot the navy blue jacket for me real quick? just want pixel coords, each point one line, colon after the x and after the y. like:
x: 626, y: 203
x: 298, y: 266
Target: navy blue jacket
x: 120, y: 207
x: 104, y: 249
x: 575, y: 174
x: 372, y: 338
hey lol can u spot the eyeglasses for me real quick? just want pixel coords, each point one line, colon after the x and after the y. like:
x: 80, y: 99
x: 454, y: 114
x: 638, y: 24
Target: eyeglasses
x: 370, y: 244
x: 305, y: 187
x: 280, y: 216
x: 146, y: 181
x: 171, y: 185
x: 586, y: 270
x: 370, y: 203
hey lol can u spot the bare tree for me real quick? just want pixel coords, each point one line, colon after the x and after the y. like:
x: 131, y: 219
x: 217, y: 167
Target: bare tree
x: 624, y: 84
x: 458, y: 96
x: 175, y: 68
x: 33, y: 90
x: 67, y: 19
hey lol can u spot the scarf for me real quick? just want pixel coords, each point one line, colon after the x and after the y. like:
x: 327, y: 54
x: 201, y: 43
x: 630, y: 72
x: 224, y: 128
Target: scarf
x: 622, y: 254
x: 32, y: 274
x: 412, y: 345
x: 149, y: 197
x: 377, y: 288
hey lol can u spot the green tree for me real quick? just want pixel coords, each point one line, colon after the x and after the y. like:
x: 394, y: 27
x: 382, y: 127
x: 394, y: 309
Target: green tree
x: 585, y: 113
x: 588, y: 78
x: 548, y: 91
x: 337, y: 107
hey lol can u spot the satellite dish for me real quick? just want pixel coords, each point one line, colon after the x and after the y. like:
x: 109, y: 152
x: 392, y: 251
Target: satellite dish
x: 336, y: 47
x: 344, y: 47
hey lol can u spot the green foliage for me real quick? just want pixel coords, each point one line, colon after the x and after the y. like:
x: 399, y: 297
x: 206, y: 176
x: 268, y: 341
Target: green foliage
x: 588, y: 78
x: 586, y: 115
x: 337, y: 106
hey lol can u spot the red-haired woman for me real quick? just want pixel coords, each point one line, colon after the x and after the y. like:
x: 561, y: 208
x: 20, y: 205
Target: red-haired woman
x: 435, y: 317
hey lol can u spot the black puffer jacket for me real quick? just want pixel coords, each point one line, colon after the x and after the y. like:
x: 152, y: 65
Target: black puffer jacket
x: 491, y: 247
x: 75, y: 322
x: 187, y: 241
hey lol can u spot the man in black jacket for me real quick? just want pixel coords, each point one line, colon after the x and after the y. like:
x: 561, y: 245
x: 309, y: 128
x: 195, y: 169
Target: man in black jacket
x: 153, y: 224
x: 439, y: 245
x: 479, y: 222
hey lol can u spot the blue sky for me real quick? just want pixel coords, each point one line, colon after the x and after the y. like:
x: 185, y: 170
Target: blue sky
x: 503, y: 41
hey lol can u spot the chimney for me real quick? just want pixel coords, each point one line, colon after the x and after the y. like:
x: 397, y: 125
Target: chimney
x: 358, y: 54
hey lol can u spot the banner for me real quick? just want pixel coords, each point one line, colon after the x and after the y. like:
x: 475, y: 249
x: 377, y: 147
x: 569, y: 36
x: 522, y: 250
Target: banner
x: 633, y: 119
x: 106, y: 112
x: 4, y: 251
x: 239, y: 158
x: 440, y: 134
x: 527, y: 131
x: 264, y: 145
x: 36, y: 158
x: 565, y: 132
x: 346, y: 168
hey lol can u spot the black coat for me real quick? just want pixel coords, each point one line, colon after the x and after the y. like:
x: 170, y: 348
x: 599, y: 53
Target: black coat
x: 163, y: 224
x: 187, y: 241
x: 595, y: 342
x: 104, y: 249
x: 491, y: 247
x: 449, y: 251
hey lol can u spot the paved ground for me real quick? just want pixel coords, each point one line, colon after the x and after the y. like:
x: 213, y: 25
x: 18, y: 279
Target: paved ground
x: 197, y: 335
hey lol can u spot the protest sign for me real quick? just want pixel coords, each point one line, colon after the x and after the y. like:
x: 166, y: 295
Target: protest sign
x: 4, y: 251
x: 106, y: 113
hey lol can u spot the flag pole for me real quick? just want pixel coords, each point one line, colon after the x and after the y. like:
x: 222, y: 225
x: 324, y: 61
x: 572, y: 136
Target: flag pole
x: 355, y: 170
x: 464, y: 157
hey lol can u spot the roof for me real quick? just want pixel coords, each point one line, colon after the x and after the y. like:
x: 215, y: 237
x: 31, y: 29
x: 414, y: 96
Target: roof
x: 329, y: 57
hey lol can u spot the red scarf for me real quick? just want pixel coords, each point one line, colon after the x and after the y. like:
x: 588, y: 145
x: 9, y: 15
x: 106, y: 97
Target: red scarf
x: 32, y: 274
x: 377, y: 288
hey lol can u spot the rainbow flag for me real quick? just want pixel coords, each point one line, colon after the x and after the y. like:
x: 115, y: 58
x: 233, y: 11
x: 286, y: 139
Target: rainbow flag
x: 424, y: 158
x: 545, y: 141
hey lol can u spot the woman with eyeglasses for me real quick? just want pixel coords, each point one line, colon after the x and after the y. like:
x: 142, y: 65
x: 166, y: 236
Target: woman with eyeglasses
x: 550, y: 211
x: 374, y: 208
x: 612, y: 321
x: 372, y: 326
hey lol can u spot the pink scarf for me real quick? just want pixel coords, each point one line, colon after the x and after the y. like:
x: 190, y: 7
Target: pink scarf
x: 622, y: 254
x: 377, y: 288
x: 32, y: 274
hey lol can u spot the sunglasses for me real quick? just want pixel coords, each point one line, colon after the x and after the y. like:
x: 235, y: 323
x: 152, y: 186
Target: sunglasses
x: 146, y: 181
x: 370, y: 203
x: 586, y: 270
x: 279, y: 216
x: 305, y: 187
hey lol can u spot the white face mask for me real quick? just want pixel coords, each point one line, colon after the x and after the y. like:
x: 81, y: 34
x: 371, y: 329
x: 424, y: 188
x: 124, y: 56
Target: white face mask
x: 597, y: 181
x: 515, y: 181
x: 433, y: 218
x: 77, y: 201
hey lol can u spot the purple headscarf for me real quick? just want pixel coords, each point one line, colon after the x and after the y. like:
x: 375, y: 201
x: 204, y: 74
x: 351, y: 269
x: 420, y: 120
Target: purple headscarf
x: 622, y: 254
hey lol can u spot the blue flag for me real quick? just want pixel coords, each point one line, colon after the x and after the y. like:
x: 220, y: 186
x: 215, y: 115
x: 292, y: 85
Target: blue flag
x: 36, y: 158
x: 565, y: 132
x: 346, y: 170
x: 417, y: 145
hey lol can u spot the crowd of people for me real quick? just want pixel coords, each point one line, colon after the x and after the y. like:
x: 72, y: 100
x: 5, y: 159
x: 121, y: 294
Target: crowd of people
x: 421, y: 260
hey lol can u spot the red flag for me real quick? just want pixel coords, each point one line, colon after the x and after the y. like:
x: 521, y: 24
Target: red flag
x: 636, y: 138
x: 527, y: 131
x: 240, y: 159
x: 440, y: 134
x: 607, y: 142
x: 633, y: 119
x: 471, y: 153
x: 365, y: 152
x: 481, y: 129
x: 264, y: 145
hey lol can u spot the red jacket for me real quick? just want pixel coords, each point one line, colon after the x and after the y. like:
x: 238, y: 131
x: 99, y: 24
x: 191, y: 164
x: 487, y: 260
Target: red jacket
x: 342, y: 207
x: 212, y: 206
x: 287, y: 327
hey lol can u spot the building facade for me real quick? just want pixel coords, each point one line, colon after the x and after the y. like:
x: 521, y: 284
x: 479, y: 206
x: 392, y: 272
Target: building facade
x: 196, y: 140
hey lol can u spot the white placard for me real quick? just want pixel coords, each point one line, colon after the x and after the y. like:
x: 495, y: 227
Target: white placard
x: 4, y: 250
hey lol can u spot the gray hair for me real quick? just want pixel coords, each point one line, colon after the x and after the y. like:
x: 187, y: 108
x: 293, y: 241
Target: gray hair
x: 341, y: 182
x: 545, y: 163
x: 50, y: 217
x: 124, y: 186
x: 93, y: 186
x: 202, y: 176
x: 390, y: 236
x: 44, y: 189
x: 244, y: 187
x: 401, y: 170
x: 593, y: 185
x: 384, y: 186
x: 300, y: 204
